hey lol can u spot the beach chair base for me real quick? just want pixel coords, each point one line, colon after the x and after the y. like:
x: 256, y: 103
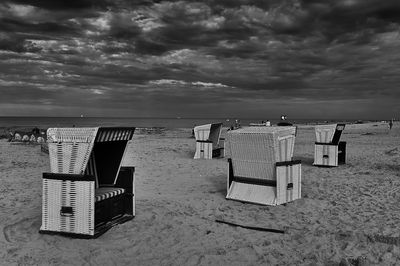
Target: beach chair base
x: 205, y: 150
x: 285, y: 188
x: 329, y: 155
x: 71, y: 206
x: 99, y: 230
x: 217, y: 152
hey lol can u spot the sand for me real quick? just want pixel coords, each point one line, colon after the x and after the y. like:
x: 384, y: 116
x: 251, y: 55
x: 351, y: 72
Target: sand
x: 346, y: 213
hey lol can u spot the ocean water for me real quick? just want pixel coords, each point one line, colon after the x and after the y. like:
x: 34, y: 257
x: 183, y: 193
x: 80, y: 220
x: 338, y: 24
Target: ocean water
x: 170, y: 123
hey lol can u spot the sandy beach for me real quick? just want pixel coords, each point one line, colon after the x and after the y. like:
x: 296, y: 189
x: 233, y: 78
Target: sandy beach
x: 346, y: 213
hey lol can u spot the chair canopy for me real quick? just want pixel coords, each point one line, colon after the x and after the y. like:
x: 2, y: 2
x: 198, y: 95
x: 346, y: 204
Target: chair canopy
x: 94, y: 151
x: 255, y: 150
x: 208, y: 132
x: 329, y: 133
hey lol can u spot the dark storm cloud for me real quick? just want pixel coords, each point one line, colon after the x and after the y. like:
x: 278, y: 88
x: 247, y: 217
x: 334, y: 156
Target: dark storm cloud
x: 12, y: 25
x: 63, y: 4
x: 166, y: 53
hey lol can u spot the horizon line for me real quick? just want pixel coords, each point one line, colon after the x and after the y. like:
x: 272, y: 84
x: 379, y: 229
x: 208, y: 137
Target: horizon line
x: 179, y: 117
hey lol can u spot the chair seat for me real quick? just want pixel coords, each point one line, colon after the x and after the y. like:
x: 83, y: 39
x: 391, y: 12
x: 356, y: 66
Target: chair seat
x: 103, y: 193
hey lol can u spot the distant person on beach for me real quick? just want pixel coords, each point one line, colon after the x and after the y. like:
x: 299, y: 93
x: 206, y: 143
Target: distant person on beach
x: 390, y: 124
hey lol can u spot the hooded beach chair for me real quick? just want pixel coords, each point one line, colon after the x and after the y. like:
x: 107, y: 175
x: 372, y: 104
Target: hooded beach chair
x: 261, y: 166
x: 208, y: 141
x: 328, y: 150
x: 87, y: 191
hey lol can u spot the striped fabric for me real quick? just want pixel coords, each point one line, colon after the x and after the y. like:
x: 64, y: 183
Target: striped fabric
x: 107, y: 192
x: 114, y: 134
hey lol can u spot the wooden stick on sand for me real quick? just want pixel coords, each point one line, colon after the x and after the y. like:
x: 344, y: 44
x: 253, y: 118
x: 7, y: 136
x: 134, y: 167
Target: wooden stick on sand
x: 252, y: 227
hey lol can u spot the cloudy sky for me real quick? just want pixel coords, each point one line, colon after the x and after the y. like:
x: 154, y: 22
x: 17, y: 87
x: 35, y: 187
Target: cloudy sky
x: 210, y: 58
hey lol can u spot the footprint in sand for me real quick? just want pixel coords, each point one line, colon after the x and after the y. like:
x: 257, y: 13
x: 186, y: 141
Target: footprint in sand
x: 22, y: 230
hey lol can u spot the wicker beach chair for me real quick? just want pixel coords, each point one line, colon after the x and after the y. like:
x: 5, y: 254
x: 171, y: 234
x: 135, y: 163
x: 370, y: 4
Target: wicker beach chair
x: 87, y: 191
x: 328, y: 150
x: 261, y: 168
x: 208, y: 141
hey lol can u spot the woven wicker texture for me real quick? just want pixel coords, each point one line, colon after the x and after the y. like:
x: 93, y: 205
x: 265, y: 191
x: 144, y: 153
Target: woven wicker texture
x: 79, y: 195
x: 70, y: 148
x: 324, y: 133
x: 74, y: 134
x: 255, y: 150
x: 69, y: 158
x: 227, y: 152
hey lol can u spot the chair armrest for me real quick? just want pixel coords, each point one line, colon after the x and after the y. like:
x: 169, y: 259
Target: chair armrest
x: 288, y: 163
x: 329, y: 143
x: 69, y: 177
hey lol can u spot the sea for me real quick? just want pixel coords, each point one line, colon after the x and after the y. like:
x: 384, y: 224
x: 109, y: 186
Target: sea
x: 148, y: 122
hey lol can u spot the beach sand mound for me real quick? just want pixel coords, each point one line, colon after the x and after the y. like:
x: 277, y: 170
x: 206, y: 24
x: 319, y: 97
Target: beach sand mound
x: 348, y: 214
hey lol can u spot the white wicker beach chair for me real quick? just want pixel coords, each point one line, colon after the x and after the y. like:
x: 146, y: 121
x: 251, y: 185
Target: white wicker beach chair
x: 328, y: 150
x: 87, y: 191
x: 261, y: 169
x: 208, y: 141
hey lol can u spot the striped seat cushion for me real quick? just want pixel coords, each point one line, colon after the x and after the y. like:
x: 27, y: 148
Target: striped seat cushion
x: 108, y: 192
